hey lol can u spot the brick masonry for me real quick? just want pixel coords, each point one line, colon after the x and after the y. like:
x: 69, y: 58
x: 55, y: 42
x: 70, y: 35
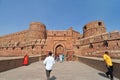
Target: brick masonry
x: 7, y: 63
x: 99, y: 64
x: 38, y: 40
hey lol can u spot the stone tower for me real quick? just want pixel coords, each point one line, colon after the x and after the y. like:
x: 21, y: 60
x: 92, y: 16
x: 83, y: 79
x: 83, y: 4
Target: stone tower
x: 93, y: 28
x: 37, y: 30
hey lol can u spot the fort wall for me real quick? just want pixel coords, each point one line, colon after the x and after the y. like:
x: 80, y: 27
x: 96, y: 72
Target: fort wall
x: 96, y: 44
x: 38, y: 40
x: 94, y: 28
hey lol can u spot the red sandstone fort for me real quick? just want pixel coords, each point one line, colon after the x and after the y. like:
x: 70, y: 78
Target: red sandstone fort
x: 37, y: 40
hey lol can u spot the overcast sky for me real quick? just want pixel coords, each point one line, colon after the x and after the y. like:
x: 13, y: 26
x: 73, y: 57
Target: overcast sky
x: 16, y: 15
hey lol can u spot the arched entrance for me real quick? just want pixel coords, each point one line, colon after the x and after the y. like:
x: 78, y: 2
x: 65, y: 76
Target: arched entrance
x: 59, y: 52
x: 59, y: 49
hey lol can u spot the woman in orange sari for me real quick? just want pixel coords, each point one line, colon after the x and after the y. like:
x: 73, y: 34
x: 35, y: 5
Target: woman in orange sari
x: 26, y: 60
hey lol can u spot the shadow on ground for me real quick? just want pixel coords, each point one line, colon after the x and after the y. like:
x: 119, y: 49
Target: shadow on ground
x: 53, y: 78
x: 103, y: 75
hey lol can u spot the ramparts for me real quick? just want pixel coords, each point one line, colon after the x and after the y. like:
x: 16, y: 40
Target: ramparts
x: 99, y: 64
x: 7, y: 63
x: 98, y: 44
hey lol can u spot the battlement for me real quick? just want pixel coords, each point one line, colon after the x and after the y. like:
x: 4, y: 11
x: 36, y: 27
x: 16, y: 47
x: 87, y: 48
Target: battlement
x: 93, y: 28
x: 38, y: 40
x: 98, y: 44
x: 101, y: 37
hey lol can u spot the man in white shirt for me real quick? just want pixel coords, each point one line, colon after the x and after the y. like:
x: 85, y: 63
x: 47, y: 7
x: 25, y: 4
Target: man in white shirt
x: 49, y: 62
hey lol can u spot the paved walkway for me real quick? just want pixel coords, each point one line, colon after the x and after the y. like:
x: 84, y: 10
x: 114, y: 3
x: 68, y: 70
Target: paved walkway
x: 71, y: 70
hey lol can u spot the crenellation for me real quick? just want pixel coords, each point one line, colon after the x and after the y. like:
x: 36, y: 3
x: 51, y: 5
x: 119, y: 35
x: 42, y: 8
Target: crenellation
x: 38, y: 40
x: 100, y: 40
x: 114, y: 34
x: 93, y: 28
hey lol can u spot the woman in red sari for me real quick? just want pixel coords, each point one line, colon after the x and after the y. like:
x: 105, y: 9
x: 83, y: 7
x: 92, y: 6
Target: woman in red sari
x: 26, y: 60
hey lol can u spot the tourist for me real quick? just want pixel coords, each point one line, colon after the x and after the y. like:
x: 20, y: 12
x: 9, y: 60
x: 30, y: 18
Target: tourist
x: 49, y: 62
x: 26, y: 60
x: 57, y: 57
x: 109, y: 65
x: 60, y: 57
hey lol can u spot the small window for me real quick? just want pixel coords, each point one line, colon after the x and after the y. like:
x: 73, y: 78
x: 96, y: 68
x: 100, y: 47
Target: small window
x: 117, y: 44
x: 100, y: 23
x: 18, y: 44
x: 13, y: 48
x: 21, y: 48
x: 105, y: 43
x: 54, y: 34
x: 33, y: 47
x: 6, y: 48
x: 77, y: 47
x: 64, y: 34
x: 85, y: 27
x: 42, y: 46
x: 90, y: 46
x: 78, y: 38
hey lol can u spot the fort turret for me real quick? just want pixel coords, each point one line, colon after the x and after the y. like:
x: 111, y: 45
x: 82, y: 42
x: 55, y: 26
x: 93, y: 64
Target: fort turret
x: 93, y: 28
x: 37, y: 30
